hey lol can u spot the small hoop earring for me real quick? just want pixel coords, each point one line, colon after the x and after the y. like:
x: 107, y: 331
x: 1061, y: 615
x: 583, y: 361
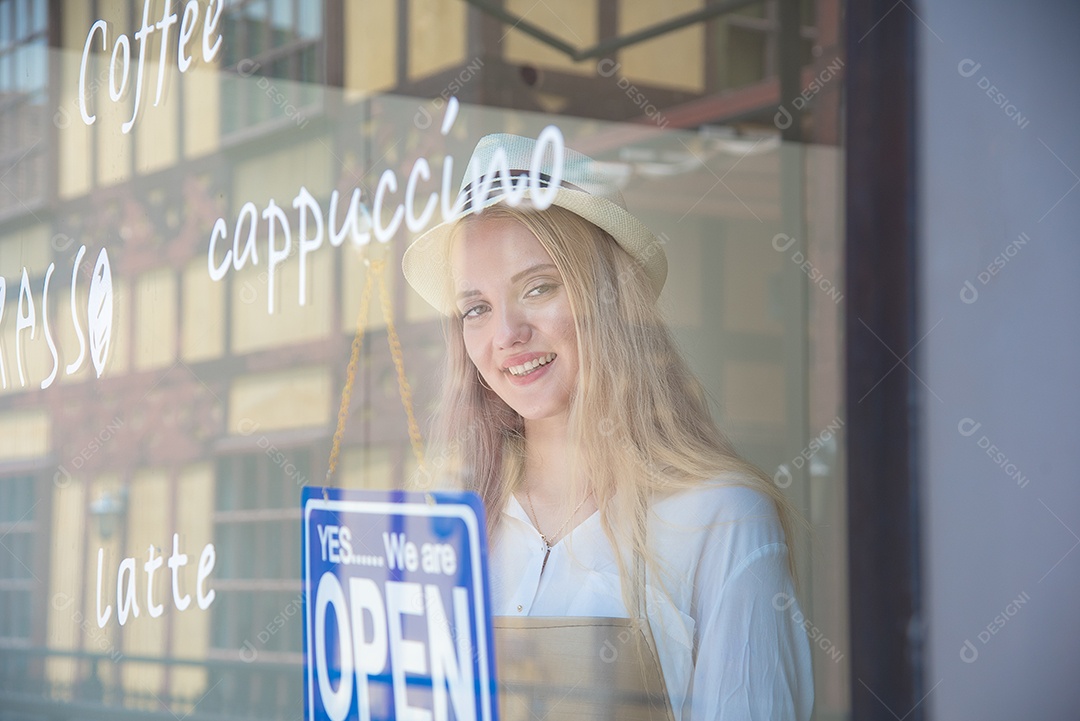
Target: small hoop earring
x: 480, y: 380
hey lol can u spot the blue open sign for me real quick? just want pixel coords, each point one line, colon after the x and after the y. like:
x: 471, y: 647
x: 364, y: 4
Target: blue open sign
x: 396, y: 611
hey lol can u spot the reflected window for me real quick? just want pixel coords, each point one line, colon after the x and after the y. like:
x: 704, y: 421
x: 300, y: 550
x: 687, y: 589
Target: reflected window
x: 258, y: 608
x: 23, y: 103
x: 18, y: 579
x: 282, y: 43
x: 19, y: 584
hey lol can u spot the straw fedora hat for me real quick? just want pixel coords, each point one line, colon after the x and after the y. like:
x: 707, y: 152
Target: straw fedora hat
x: 585, y: 189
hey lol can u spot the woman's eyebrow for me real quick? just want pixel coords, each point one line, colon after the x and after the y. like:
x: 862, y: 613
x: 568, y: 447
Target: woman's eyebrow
x: 532, y: 269
x: 517, y: 276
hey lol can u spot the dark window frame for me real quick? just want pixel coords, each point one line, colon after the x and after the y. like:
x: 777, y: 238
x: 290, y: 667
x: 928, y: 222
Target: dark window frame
x: 886, y: 611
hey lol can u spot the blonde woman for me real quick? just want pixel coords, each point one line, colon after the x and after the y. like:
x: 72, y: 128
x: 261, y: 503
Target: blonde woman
x: 639, y: 567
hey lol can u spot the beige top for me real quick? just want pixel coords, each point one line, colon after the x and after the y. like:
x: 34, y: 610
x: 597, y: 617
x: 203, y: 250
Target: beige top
x: 580, y: 668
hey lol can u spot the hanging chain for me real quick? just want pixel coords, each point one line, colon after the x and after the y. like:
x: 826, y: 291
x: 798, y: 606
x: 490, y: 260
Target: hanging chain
x: 399, y: 363
x: 375, y: 272
x: 350, y: 374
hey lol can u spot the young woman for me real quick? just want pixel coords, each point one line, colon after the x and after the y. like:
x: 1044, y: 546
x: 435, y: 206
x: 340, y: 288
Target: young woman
x: 639, y: 566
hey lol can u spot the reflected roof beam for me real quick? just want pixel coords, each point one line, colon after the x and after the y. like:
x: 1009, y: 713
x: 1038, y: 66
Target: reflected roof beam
x: 610, y: 45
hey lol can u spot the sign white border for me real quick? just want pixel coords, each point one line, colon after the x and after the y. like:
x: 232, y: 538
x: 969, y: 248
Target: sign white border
x: 443, y: 510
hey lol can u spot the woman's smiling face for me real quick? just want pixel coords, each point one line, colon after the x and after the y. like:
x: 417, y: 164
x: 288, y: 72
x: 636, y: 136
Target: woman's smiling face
x: 516, y: 320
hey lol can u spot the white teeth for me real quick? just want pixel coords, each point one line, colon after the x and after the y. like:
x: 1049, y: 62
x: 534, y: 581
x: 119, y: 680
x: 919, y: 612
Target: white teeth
x: 529, y: 366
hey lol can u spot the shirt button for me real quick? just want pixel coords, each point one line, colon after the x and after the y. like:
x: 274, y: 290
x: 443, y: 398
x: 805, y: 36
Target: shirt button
x: 520, y: 607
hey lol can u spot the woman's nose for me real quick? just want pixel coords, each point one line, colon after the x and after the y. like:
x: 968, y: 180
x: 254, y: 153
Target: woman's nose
x: 513, y: 326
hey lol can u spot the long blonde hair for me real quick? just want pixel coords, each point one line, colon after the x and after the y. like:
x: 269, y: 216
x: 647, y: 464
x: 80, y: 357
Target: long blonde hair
x: 639, y: 416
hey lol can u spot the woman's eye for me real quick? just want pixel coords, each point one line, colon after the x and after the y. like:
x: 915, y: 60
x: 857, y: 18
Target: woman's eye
x: 473, y: 311
x: 541, y: 289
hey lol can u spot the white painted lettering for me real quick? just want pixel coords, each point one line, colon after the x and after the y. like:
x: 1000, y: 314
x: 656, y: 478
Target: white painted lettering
x: 306, y: 205
x: 203, y: 596
x: 24, y: 318
x: 125, y: 592
x: 45, y: 325
x: 177, y: 561
x: 275, y: 255
x: 153, y: 563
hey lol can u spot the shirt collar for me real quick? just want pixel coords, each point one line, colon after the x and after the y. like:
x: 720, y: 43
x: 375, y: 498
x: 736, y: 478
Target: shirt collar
x: 514, y: 509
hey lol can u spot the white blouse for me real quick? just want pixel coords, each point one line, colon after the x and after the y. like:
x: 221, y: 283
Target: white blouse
x: 728, y: 635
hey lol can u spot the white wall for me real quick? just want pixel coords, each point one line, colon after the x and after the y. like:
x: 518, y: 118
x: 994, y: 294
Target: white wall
x: 995, y: 546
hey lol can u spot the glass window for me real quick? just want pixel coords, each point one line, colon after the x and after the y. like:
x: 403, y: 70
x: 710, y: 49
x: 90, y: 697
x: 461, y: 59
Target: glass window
x: 184, y: 280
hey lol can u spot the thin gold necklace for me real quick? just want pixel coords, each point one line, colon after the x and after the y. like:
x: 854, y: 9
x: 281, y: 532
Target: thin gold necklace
x: 544, y: 538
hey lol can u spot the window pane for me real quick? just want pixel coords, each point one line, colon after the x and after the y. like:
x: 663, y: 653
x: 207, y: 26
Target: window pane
x: 218, y: 339
x: 22, y: 18
x: 310, y: 25
x: 40, y: 8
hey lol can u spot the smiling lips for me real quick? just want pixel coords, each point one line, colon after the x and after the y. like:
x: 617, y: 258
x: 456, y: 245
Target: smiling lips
x: 529, y: 366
